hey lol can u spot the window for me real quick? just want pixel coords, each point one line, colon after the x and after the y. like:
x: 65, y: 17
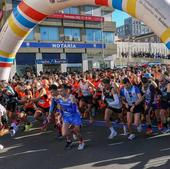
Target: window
x: 108, y: 37
x: 72, y: 10
x: 49, y: 33
x: 93, y: 35
x: 30, y: 36
x: 74, y: 57
x: 25, y: 59
x: 89, y: 10
x: 72, y: 34
x: 107, y: 16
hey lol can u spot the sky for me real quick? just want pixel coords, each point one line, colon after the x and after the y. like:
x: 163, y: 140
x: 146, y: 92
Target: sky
x: 118, y: 17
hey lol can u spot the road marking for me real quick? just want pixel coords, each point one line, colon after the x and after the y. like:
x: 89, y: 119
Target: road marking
x: 11, y: 147
x: 158, y: 136
x: 25, y: 152
x: 129, y: 157
x: 76, y: 142
x: 106, y: 166
x: 165, y: 149
x: 110, y: 163
x: 157, y: 162
x: 31, y: 135
x: 114, y: 144
x: 36, y: 128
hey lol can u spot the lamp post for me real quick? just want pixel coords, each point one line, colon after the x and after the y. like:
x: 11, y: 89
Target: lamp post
x: 103, y: 42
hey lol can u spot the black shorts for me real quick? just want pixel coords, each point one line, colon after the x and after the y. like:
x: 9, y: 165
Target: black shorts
x: 32, y: 110
x: 87, y: 99
x: 137, y: 109
x: 115, y: 110
x: 11, y: 106
x: 164, y: 105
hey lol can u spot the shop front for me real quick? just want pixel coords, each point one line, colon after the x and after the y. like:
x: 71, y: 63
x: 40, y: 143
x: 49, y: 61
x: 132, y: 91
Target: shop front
x: 25, y: 62
x: 51, y: 62
x: 74, y: 62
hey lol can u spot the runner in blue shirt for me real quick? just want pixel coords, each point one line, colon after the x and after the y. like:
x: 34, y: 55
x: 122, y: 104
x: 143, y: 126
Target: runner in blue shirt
x: 70, y: 116
x: 54, y: 111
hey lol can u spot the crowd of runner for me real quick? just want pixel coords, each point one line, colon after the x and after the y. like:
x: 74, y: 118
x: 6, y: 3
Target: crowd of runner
x: 146, y: 55
x: 131, y: 96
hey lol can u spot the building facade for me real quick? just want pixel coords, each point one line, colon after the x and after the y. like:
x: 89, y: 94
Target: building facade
x: 76, y: 38
x: 148, y: 37
x: 120, y: 32
x: 132, y: 27
x: 141, y: 52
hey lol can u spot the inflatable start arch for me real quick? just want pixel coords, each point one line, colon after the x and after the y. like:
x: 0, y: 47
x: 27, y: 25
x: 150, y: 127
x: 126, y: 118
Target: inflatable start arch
x: 154, y: 13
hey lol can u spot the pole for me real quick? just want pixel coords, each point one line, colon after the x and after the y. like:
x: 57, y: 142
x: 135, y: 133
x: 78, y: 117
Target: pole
x: 103, y: 43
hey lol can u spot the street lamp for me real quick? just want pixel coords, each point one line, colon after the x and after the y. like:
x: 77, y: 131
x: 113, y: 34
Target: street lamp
x: 103, y: 42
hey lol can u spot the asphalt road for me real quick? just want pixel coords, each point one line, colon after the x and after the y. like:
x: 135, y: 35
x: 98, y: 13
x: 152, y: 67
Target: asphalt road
x: 35, y: 150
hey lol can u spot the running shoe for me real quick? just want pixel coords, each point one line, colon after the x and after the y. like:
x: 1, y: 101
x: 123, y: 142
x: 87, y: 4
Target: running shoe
x: 139, y: 128
x: 165, y: 130
x: 1, y: 147
x: 28, y: 127
x: 125, y: 132
x: 59, y: 136
x: 44, y: 127
x: 160, y: 127
x: 81, y: 146
x: 68, y: 145
x: 112, y: 135
x: 12, y: 132
x: 74, y: 137
x: 168, y: 130
x: 149, y: 131
x: 91, y: 121
x: 131, y: 137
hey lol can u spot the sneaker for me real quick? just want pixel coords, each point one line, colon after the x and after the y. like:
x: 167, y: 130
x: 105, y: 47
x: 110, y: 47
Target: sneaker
x: 28, y: 127
x: 168, y: 130
x: 81, y: 146
x: 91, y: 121
x: 1, y: 147
x: 125, y: 132
x: 165, y: 130
x: 131, y: 136
x: 44, y: 127
x: 160, y: 127
x: 59, y: 136
x: 139, y: 129
x: 112, y: 135
x: 12, y: 132
x: 68, y: 145
x: 149, y: 131
x: 74, y: 137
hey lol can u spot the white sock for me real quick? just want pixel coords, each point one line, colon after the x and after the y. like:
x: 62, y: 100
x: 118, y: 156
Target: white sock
x: 112, y: 130
x: 124, y: 128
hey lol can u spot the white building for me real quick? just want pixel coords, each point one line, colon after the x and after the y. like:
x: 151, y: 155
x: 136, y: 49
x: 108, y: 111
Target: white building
x: 129, y: 48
